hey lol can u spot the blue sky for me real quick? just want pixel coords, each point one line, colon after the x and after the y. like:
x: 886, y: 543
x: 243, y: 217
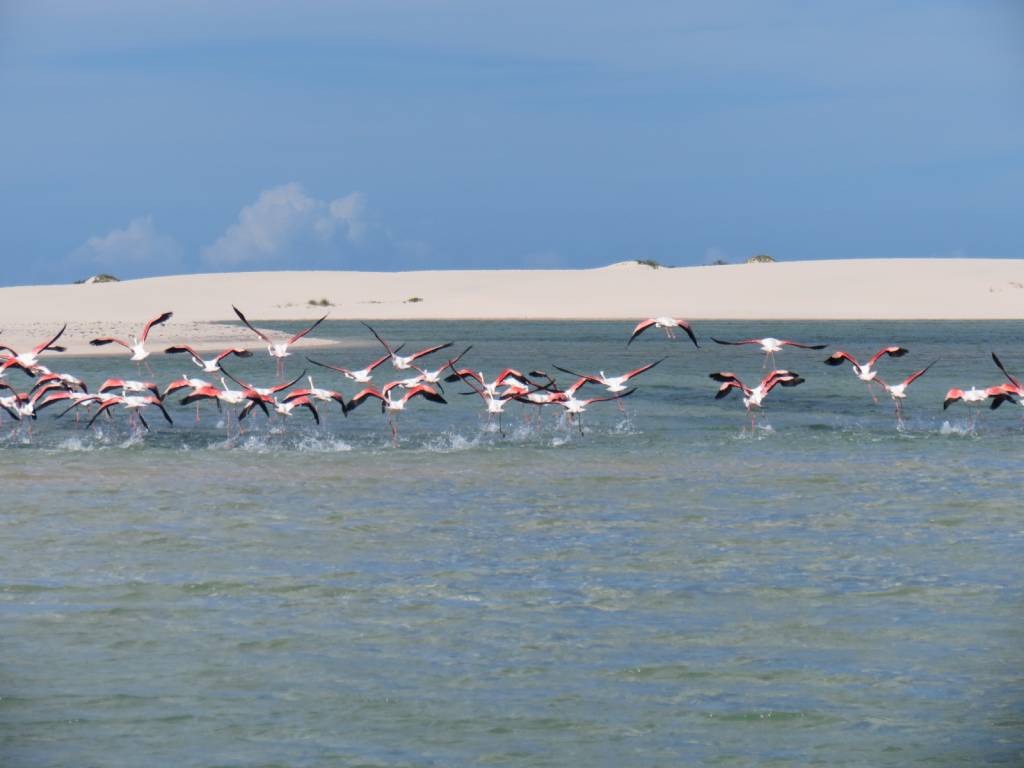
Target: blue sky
x: 162, y: 137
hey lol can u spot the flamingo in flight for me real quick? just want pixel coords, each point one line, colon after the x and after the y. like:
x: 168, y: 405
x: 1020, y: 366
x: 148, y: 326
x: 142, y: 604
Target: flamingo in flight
x: 754, y: 398
x: 284, y: 408
x: 974, y: 397
x: 207, y: 366
x: 127, y: 385
x: 28, y: 361
x: 769, y: 345
x: 574, y: 408
x: 898, y: 392
x: 185, y: 382
x: 137, y: 344
x: 865, y: 372
x: 395, y: 406
x: 668, y: 323
x: 277, y: 350
x: 363, y: 375
x: 494, y: 403
x: 1014, y: 389
x: 614, y: 384
x: 323, y: 395
x: 506, y: 378
x: 404, y: 362
x: 434, y: 377
x: 46, y: 376
x: 228, y: 396
x: 133, y: 404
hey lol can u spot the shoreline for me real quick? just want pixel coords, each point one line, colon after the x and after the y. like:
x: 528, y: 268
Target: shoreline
x: 849, y: 290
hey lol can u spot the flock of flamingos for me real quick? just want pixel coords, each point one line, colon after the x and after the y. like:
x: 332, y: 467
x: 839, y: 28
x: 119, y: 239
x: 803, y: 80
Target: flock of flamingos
x: 538, y: 388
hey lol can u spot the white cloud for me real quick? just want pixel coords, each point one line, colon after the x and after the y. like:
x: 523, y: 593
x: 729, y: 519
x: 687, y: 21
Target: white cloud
x: 284, y: 222
x: 138, y: 249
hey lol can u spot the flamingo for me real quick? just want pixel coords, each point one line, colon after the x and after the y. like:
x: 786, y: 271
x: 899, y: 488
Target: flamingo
x: 133, y: 404
x: 973, y: 397
x: 323, y: 395
x: 137, y: 345
x: 770, y: 346
x: 491, y: 388
x: 495, y: 403
x: 1014, y: 388
x: 548, y: 395
x: 46, y: 376
x: 228, y: 396
x: 404, y: 362
x: 898, y: 392
x: 284, y: 408
x: 668, y: 323
x: 363, y: 375
x: 754, y: 398
x: 434, y: 377
x: 27, y: 361
x: 208, y: 366
x: 267, y: 393
x: 393, y: 406
x: 65, y: 395
x: 574, y: 408
x: 127, y: 385
x: 614, y: 384
x: 277, y: 350
x: 865, y: 372
x: 185, y: 382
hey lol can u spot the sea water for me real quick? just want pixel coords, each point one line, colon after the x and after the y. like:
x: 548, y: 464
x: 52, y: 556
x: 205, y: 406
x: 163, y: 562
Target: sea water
x: 667, y: 587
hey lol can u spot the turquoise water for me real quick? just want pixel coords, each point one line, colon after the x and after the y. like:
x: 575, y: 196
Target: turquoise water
x: 661, y: 590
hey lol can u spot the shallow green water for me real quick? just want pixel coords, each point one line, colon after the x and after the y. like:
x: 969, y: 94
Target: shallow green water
x: 662, y: 590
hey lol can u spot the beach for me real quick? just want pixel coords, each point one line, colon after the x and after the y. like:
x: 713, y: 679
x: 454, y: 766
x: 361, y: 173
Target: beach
x: 868, y: 289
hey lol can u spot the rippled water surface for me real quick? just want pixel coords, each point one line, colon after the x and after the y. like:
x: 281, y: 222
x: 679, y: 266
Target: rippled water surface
x: 663, y: 589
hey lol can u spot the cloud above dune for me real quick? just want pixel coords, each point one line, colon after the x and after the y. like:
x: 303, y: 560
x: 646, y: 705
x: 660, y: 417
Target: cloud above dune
x: 137, y: 250
x: 285, y: 222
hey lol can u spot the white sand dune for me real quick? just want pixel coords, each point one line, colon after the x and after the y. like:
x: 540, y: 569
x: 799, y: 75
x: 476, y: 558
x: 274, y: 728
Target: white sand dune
x: 847, y: 289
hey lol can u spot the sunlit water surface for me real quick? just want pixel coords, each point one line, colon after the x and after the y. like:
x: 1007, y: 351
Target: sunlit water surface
x: 663, y: 589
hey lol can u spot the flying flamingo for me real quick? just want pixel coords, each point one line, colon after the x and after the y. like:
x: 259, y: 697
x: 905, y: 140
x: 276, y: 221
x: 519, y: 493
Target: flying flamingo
x: 574, y: 408
x: 770, y: 346
x: 866, y: 372
x: 133, y: 404
x: 228, y: 396
x: 138, y: 344
x: 363, y: 375
x: 668, y: 323
x: 277, y: 350
x: 495, y: 403
x: 27, y: 361
x: 1014, y: 389
x: 186, y: 382
x: 323, y: 395
x: 284, y: 408
x: 973, y: 397
x: 127, y: 385
x: 490, y: 387
x: 898, y: 392
x: 46, y: 376
x: 753, y: 398
x: 614, y: 384
x: 403, y: 362
x: 394, y: 406
x: 208, y: 366
x: 434, y: 377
